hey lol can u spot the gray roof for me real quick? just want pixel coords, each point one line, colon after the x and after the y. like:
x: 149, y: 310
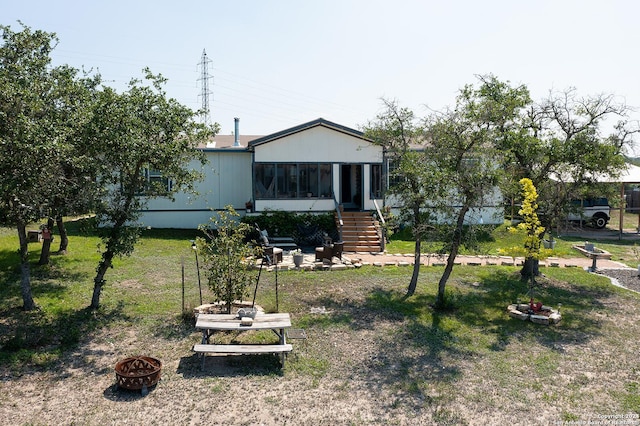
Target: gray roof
x: 227, y: 142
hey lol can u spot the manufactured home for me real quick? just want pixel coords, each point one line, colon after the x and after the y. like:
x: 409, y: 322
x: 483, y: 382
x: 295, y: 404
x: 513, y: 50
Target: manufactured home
x: 319, y: 166
x: 308, y: 168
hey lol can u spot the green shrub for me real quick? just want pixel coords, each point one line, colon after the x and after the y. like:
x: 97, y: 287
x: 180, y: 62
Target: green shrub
x: 224, y: 254
x: 289, y: 224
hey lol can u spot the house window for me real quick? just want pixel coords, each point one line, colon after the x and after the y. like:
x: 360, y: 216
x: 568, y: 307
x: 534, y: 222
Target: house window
x: 154, y: 183
x: 394, y: 176
x: 292, y: 180
x: 156, y: 180
x: 376, y: 180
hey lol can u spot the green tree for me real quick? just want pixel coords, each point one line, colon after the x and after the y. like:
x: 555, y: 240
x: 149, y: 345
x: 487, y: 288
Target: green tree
x: 72, y: 188
x: 27, y: 135
x: 557, y: 138
x: 225, y: 256
x: 132, y: 133
x: 559, y: 144
x: 415, y: 183
x: 462, y: 146
x: 448, y: 166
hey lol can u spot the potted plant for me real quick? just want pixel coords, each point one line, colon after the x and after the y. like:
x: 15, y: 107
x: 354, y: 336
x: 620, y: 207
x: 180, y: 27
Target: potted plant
x: 298, y: 257
x: 549, y: 243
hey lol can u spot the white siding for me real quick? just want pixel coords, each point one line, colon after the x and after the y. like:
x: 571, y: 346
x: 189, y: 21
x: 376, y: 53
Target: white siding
x: 227, y: 180
x: 492, y: 212
x: 368, y: 202
x: 319, y: 144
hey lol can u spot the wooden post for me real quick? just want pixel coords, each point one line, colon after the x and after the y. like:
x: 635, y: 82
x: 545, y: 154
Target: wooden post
x: 277, y: 307
x: 198, y: 269
x: 182, y: 264
x: 622, y: 209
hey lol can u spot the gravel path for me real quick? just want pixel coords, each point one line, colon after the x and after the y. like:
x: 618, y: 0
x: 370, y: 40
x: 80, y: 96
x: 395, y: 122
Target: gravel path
x: 624, y: 277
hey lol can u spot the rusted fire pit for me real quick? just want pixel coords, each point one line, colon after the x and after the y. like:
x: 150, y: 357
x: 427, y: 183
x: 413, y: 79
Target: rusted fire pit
x: 138, y: 373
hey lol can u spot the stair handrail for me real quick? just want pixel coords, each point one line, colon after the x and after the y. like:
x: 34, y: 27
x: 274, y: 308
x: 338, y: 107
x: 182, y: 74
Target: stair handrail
x: 383, y: 236
x: 340, y: 222
x: 375, y: 203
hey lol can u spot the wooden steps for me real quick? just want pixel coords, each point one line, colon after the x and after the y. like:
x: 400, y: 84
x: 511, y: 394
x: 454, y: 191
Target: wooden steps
x: 360, y: 232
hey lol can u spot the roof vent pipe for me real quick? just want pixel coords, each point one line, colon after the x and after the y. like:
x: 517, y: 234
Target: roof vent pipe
x: 236, y: 138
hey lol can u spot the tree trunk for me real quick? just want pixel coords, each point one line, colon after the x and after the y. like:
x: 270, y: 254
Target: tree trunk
x: 416, y: 269
x: 64, y: 238
x: 440, y: 299
x: 98, y: 281
x: 455, y: 246
x: 416, y: 254
x: 25, y: 270
x: 46, y: 243
x: 530, y: 268
x: 115, y: 239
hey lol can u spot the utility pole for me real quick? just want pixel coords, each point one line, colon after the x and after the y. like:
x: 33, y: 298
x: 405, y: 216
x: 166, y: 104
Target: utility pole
x: 205, y: 92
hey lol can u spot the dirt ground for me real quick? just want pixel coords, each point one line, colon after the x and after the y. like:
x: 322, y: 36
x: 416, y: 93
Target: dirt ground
x: 361, y: 390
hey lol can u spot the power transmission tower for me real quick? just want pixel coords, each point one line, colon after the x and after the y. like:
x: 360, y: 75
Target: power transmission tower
x: 205, y: 92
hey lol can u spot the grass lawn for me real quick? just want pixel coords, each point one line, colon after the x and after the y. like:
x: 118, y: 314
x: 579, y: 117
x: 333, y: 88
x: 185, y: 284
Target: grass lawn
x: 371, y: 357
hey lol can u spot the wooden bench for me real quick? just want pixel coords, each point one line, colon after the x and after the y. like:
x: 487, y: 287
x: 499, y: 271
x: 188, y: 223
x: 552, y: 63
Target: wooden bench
x: 204, y: 349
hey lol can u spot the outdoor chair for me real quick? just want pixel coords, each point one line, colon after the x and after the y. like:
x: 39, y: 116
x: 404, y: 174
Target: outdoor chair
x: 287, y: 243
x: 329, y: 251
x: 274, y: 254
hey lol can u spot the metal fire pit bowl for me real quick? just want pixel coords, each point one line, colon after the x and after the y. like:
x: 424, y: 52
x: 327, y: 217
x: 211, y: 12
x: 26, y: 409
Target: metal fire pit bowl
x: 138, y: 373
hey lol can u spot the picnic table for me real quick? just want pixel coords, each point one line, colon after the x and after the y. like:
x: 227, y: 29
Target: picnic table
x: 209, y: 324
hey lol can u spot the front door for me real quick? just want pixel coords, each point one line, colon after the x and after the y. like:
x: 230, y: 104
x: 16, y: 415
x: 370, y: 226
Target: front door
x: 351, y: 186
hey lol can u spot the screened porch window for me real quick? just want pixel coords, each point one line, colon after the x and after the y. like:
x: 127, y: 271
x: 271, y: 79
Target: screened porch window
x: 308, y: 181
x: 265, y: 180
x: 292, y: 180
x: 326, y: 186
x: 286, y: 181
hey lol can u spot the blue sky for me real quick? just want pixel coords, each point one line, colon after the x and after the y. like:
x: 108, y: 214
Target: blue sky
x: 279, y: 63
